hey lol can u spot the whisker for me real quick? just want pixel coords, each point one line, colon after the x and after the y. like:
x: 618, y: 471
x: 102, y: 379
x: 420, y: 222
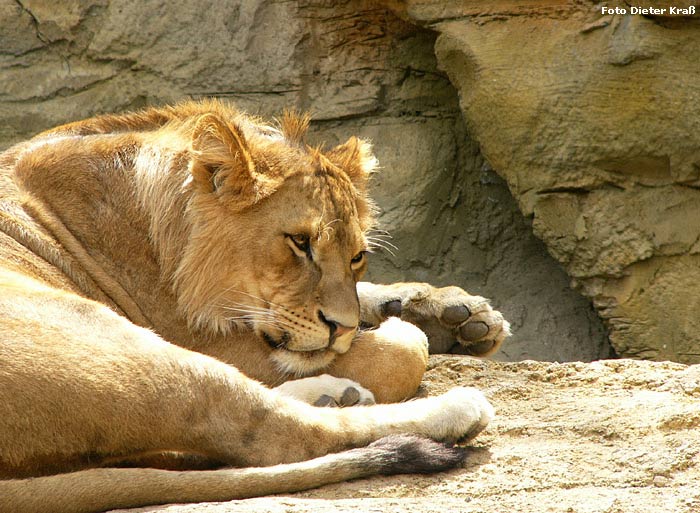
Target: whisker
x: 327, y: 229
x: 265, y: 322
x: 231, y: 289
x: 268, y: 315
x: 386, y: 246
x: 379, y: 236
x: 266, y: 301
x: 378, y: 232
x: 256, y: 313
x: 385, y: 249
x: 237, y: 306
x: 382, y: 241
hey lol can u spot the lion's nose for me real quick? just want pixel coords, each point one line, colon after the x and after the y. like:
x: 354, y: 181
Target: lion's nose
x: 336, y: 329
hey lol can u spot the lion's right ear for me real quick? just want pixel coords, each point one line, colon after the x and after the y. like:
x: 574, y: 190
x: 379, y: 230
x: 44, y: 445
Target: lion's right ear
x: 222, y: 163
x: 355, y: 157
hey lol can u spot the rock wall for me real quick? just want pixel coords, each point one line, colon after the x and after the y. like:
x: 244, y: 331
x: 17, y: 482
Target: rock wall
x: 360, y: 70
x: 593, y: 121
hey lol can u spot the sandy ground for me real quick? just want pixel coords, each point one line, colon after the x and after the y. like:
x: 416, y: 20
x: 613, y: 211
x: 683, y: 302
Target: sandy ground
x: 616, y: 436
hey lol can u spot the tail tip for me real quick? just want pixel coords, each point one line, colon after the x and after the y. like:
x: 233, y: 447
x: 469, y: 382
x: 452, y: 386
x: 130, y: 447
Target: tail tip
x: 412, y: 454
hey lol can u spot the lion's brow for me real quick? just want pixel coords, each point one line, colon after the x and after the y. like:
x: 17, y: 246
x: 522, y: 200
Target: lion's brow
x: 325, y: 229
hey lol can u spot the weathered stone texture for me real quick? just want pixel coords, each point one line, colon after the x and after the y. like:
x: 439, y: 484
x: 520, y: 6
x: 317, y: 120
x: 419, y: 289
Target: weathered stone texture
x: 592, y: 120
x: 360, y: 70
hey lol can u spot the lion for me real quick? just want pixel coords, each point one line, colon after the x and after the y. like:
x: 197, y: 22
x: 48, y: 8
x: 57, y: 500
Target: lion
x: 180, y: 293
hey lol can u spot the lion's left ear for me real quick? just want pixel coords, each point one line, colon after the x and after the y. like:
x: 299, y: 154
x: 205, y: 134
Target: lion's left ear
x: 222, y: 164
x: 355, y: 157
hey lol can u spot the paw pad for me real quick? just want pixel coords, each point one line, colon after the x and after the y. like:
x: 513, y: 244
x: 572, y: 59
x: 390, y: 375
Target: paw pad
x: 473, y: 330
x: 325, y: 400
x: 351, y: 397
x: 392, y: 308
x: 456, y: 314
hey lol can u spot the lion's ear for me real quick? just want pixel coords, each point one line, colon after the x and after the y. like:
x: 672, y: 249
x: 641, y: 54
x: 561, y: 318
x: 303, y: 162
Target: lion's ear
x: 355, y: 157
x: 222, y: 163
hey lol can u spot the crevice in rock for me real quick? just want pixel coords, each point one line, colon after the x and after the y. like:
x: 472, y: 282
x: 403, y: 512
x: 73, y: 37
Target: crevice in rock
x: 35, y: 22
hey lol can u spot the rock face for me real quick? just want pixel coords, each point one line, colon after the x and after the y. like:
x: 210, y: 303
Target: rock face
x: 614, y: 436
x: 360, y: 70
x: 592, y: 120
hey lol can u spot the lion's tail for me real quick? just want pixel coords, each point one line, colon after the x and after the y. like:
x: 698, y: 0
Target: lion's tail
x: 103, y: 489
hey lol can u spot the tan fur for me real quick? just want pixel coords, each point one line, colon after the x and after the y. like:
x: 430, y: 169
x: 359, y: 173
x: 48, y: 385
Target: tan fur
x: 144, y: 255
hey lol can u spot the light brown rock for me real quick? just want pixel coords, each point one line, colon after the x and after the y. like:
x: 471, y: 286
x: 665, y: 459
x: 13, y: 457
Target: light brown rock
x: 592, y: 120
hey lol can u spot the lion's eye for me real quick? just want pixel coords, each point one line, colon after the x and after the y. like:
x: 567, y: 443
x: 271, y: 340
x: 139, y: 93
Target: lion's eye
x: 357, y: 260
x: 301, y: 244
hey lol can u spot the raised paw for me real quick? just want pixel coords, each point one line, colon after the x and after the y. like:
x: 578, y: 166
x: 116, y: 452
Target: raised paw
x: 477, y: 329
x: 453, y: 320
x: 326, y: 390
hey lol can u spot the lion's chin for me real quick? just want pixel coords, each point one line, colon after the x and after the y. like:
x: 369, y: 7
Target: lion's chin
x: 302, y: 363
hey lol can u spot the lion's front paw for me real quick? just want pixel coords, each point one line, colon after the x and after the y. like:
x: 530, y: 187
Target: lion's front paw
x: 458, y: 415
x: 456, y: 322
x: 326, y: 390
x: 453, y: 320
x: 478, y: 328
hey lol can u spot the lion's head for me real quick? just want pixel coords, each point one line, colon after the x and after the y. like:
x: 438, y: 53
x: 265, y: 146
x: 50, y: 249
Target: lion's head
x: 277, y: 236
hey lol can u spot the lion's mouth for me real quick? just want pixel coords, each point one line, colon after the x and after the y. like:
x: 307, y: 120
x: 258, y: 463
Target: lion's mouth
x: 277, y: 343
x: 281, y: 344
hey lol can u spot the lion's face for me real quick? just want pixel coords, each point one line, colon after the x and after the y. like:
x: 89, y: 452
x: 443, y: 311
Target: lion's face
x: 312, y: 258
x: 281, y: 255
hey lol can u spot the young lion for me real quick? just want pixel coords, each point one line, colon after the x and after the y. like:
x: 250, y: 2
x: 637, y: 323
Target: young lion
x: 156, y: 267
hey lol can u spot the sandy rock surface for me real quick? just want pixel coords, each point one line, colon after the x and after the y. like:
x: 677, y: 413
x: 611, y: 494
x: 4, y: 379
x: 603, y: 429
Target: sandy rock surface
x: 614, y: 436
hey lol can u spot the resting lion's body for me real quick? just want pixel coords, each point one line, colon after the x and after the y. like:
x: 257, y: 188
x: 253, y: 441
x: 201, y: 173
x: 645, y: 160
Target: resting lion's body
x: 143, y: 256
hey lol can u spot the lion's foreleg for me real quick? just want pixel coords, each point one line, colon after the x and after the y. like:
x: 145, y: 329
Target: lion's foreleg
x: 389, y: 361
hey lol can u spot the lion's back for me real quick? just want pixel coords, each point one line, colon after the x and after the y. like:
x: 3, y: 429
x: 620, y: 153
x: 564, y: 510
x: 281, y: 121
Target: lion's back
x: 20, y: 235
